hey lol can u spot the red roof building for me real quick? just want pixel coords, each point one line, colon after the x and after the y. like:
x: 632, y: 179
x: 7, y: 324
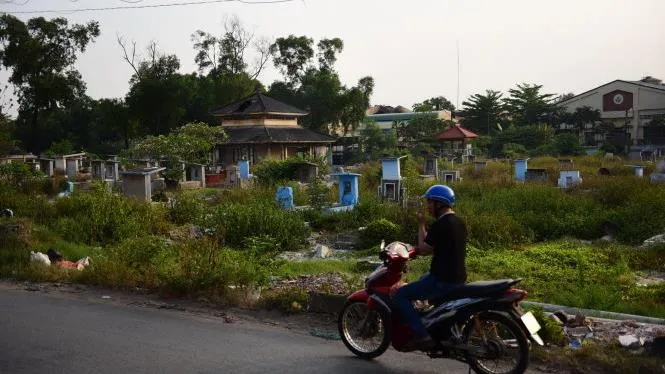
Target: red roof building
x: 456, y: 133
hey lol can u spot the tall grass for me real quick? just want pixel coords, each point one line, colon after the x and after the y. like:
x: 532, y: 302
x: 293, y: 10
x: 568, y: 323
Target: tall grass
x: 236, y: 222
x: 101, y: 217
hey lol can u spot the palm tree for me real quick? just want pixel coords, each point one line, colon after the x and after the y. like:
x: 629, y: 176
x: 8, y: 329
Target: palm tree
x: 483, y: 112
x: 527, y: 105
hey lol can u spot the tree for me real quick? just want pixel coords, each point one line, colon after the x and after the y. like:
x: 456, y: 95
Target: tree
x: 567, y: 144
x: 318, y: 89
x: 527, y: 105
x: 190, y: 143
x: 227, y: 54
x: 530, y: 137
x: 41, y: 54
x: 158, y: 95
x: 421, y: 128
x: 435, y: 103
x: 328, y: 50
x: 483, y: 112
x: 7, y: 143
x: 375, y: 141
x: 564, y: 97
x: 111, y: 126
x: 292, y: 55
x: 583, y: 116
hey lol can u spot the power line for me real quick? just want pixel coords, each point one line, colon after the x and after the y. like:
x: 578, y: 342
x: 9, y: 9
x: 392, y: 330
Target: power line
x: 122, y: 7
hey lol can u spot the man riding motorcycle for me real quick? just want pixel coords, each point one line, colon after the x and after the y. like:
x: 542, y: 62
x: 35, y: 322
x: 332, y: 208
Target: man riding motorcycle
x: 446, y: 242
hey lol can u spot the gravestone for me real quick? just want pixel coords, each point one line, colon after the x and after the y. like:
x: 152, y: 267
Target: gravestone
x: 569, y: 178
x: 284, y: 197
x: 449, y: 176
x: 479, y: 166
x: 536, y: 175
x: 391, y: 180
x: 520, y: 169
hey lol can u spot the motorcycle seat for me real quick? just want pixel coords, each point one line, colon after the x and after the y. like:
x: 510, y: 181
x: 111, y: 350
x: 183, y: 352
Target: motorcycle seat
x: 478, y: 289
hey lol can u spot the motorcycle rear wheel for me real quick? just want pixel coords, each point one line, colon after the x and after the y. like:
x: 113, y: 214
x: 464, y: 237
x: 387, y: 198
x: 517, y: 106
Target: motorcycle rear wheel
x: 496, y: 347
x: 365, y: 332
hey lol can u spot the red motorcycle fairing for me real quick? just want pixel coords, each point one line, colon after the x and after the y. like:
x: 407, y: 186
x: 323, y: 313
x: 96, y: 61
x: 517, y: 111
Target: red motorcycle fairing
x: 360, y: 295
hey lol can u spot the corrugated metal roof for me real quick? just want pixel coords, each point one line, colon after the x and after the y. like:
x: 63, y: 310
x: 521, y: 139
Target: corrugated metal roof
x: 398, y: 116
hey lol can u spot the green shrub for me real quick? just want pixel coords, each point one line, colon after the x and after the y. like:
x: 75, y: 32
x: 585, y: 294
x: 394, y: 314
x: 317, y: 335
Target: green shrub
x: 271, y: 171
x: 187, y: 207
x: 377, y: 230
x: 494, y: 229
x: 182, y: 268
x: 100, y: 217
x: 318, y: 194
x: 236, y: 222
x: 550, y: 331
x: 35, y: 207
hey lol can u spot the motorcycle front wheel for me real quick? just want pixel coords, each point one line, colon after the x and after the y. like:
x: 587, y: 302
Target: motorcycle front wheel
x: 365, y: 332
x: 498, y: 344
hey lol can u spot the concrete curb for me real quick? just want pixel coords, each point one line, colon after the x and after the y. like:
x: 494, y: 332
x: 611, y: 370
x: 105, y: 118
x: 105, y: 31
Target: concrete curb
x: 332, y: 304
x: 551, y: 308
x: 325, y: 303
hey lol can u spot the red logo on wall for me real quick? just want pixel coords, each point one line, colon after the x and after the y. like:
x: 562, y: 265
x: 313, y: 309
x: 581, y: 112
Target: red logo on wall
x: 617, y: 101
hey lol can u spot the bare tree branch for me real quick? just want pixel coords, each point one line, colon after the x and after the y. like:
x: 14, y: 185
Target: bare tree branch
x: 153, y: 52
x: 130, y: 61
x: 262, y: 46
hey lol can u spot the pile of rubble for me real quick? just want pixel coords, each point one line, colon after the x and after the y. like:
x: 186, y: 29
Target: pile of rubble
x: 628, y: 333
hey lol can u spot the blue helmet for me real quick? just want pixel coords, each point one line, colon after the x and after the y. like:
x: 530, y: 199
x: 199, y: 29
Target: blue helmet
x: 441, y: 193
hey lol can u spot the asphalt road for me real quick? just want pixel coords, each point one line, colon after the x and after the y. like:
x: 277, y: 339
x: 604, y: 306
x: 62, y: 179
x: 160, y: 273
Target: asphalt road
x: 44, y: 333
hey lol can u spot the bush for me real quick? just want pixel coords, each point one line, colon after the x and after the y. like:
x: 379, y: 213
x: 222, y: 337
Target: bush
x: 318, y: 194
x: 187, y: 207
x: 101, y: 217
x: 182, y: 268
x: 377, y: 230
x: 236, y: 222
x: 271, y: 172
x: 567, y: 144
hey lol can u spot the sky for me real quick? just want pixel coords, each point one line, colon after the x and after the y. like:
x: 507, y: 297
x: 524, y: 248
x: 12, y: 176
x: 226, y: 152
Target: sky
x: 408, y: 46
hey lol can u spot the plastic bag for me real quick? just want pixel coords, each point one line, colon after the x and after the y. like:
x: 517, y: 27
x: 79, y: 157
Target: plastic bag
x: 39, y: 257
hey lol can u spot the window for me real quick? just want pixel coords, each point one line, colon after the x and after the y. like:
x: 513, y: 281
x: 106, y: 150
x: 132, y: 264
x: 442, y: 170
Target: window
x: 244, y: 152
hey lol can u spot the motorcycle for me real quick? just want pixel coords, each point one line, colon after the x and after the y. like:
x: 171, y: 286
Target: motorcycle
x: 479, y: 323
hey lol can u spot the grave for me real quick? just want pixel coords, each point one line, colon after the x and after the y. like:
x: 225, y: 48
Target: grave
x: 243, y: 170
x: 658, y: 176
x: 308, y: 172
x: 536, y: 175
x: 431, y: 166
x: 47, y: 166
x: 520, y: 169
x: 284, y: 197
x: 105, y: 170
x: 565, y: 164
x: 449, y: 176
x: 142, y: 183
x: 391, y: 180
x: 69, y: 164
x: 479, y: 166
x: 194, y: 176
x: 569, y: 178
x: 348, y: 195
x: 638, y: 170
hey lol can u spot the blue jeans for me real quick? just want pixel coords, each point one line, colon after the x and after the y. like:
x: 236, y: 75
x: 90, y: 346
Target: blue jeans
x: 426, y: 288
